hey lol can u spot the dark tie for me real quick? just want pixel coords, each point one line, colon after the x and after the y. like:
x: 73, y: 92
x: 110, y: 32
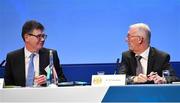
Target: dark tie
x: 139, y: 66
x: 30, y: 75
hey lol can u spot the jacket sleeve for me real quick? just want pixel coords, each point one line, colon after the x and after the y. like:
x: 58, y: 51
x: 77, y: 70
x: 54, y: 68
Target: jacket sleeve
x: 58, y: 68
x: 167, y: 66
x: 8, y: 72
x: 125, y: 69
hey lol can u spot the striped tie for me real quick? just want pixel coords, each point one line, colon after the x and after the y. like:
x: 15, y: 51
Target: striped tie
x: 139, y: 66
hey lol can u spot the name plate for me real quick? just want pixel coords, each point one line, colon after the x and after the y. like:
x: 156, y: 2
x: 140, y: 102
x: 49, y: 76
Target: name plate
x: 108, y: 80
x: 1, y: 82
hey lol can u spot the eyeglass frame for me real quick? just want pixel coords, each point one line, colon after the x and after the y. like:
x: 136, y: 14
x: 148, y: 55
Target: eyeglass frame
x: 129, y: 36
x: 39, y: 36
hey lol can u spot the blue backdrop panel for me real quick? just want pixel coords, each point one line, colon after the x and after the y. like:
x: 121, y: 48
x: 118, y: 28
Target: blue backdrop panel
x: 176, y: 66
x: 83, y: 72
x: 1, y: 72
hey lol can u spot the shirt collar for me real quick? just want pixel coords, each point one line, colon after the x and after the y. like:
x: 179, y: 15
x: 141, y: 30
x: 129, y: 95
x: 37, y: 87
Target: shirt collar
x: 145, y: 53
x: 28, y: 53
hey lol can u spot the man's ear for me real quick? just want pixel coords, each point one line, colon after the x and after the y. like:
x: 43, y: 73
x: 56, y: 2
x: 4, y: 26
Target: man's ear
x: 26, y: 37
x: 140, y: 39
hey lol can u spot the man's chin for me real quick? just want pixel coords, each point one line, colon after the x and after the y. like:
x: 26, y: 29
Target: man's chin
x: 130, y: 48
x: 40, y: 47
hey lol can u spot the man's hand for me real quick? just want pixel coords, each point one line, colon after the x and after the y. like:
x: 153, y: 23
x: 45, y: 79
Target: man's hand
x: 153, y: 76
x: 141, y: 78
x: 41, y: 79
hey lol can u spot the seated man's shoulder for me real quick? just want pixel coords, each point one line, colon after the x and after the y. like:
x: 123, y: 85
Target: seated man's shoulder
x: 47, y: 49
x: 128, y: 53
x: 159, y: 52
x: 16, y: 52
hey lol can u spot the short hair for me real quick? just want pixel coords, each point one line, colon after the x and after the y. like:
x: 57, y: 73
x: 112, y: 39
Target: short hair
x: 29, y: 26
x: 143, y: 29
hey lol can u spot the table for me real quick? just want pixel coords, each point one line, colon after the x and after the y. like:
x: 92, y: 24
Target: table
x: 127, y: 93
x: 60, y: 94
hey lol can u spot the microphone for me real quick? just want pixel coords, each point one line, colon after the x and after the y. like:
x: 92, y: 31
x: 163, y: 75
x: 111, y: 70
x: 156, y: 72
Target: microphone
x: 2, y: 63
x: 117, y: 66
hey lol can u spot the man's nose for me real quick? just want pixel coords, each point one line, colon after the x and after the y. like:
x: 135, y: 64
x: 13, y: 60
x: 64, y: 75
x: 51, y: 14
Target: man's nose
x: 42, y: 39
x: 126, y: 39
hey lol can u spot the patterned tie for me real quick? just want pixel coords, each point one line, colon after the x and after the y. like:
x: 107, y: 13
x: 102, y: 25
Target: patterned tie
x: 30, y: 75
x: 139, y: 66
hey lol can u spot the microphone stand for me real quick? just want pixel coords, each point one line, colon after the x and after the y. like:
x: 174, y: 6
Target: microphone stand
x: 3, y: 62
x: 117, y: 66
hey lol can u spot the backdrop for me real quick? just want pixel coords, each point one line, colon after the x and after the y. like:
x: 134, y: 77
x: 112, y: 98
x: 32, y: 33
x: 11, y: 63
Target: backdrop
x: 91, y: 31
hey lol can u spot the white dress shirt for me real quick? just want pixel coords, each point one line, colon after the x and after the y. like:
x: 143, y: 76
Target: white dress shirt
x: 144, y: 60
x: 35, y: 61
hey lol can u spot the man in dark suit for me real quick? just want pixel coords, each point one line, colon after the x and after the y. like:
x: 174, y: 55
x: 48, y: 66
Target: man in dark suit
x: 143, y: 63
x: 17, y: 62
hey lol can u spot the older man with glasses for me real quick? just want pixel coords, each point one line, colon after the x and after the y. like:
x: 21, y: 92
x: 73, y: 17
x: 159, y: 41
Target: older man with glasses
x: 143, y: 63
x: 33, y: 57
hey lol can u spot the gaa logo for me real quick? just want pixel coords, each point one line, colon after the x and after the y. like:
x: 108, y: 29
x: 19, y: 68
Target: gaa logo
x: 97, y: 80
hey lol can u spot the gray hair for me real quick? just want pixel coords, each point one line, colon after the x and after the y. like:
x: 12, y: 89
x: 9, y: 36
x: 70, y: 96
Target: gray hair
x: 143, y: 30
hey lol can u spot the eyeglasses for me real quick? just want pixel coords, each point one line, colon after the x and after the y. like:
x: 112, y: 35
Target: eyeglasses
x: 39, y: 36
x: 132, y: 36
x: 129, y: 36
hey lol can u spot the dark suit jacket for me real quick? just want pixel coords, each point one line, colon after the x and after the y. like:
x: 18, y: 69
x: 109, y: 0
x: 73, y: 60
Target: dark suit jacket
x: 157, y: 61
x: 15, y: 66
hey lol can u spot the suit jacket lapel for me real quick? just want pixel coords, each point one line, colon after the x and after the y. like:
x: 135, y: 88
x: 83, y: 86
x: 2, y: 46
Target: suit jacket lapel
x: 134, y: 64
x: 43, y: 61
x: 150, y: 61
x: 21, y: 67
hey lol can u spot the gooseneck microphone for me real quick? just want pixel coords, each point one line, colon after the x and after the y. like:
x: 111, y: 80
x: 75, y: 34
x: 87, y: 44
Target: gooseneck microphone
x: 117, y: 66
x: 3, y: 62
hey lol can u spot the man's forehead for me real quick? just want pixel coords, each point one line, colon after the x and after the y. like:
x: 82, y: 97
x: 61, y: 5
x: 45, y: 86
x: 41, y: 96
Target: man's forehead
x: 132, y: 30
x: 37, y: 31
